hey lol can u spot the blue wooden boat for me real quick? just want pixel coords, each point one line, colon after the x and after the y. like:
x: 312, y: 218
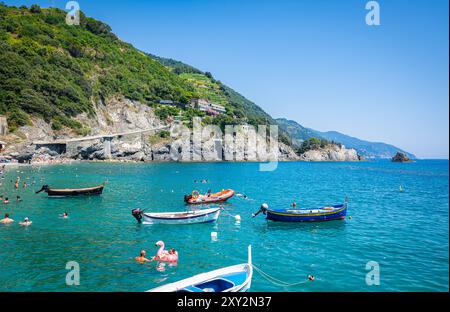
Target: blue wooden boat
x: 236, y: 278
x: 326, y: 213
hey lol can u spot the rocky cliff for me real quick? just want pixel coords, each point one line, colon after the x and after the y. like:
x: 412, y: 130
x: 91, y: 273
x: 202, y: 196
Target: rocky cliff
x: 123, y: 123
x: 331, y: 153
x: 400, y: 157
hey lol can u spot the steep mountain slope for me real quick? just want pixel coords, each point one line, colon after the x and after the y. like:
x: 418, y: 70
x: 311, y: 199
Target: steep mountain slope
x: 367, y: 149
x: 240, y: 110
x: 56, y: 72
x: 297, y: 132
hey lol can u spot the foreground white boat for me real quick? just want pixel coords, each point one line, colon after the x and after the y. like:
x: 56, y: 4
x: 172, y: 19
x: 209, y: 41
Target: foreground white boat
x: 184, y: 217
x: 236, y: 278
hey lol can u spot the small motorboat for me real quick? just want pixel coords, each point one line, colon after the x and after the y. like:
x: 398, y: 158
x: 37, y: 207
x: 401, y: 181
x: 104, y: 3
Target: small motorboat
x: 236, y: 278
x: 96, y: 190
x: 196, y: 198
x: 184, y: 217
x: 326, y: 213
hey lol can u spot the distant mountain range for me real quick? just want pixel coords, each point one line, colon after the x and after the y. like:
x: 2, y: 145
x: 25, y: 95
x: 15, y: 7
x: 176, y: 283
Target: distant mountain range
x: 367, y: 149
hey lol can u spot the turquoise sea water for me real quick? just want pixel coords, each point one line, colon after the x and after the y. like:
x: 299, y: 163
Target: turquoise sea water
x: 406, y: 233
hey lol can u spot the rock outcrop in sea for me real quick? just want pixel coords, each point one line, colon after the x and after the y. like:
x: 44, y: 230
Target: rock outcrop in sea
x: 400, y: 157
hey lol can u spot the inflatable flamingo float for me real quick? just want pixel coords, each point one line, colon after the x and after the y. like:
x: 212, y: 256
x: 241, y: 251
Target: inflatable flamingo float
x: 164, y: 255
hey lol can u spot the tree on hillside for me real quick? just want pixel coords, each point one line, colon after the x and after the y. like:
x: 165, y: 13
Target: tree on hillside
x: 35, y: 8
x: 313, y: 144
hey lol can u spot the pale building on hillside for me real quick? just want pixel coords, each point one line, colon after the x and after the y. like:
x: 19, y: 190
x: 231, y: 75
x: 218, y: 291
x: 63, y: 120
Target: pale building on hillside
x: 205, y: 106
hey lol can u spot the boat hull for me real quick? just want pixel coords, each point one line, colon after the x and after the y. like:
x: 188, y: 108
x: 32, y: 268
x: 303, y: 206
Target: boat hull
x: 236, y: 278
x: 319, y: 216
x: 76, y: 192
x: 190, y: 217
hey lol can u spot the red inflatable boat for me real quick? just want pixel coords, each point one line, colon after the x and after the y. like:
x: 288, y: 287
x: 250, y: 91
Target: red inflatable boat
x: 197, y: 198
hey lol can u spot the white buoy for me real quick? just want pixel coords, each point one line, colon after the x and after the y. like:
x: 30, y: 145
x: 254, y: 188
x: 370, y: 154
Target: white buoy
x: 237, y: 218
x: 214, y: 236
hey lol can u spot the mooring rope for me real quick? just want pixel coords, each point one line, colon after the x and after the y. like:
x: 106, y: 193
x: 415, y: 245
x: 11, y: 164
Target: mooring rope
x: 276, y: 281
x: 227, y: 213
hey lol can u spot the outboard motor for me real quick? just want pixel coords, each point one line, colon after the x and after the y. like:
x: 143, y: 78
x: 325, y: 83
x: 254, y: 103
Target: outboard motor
x: 263, y: 209
x: 137, y: 213
x: 44, y: 188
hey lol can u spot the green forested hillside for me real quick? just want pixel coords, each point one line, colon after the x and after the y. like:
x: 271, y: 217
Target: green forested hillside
x: 297, y: 132
x: 206, y: 86
x: 56, y: 71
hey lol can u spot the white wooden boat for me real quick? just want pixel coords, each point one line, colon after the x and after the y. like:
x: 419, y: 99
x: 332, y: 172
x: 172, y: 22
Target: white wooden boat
x: 184, y: 217
x: 236, y: 278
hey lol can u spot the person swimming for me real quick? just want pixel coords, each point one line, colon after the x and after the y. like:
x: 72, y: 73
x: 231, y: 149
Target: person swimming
x: 242, y: 195
x: 6, y: 219
x: 18, y: 199
x: 26, y: 222
x: 141, y: 258
x: 6, y: 201
x: 311, y: 277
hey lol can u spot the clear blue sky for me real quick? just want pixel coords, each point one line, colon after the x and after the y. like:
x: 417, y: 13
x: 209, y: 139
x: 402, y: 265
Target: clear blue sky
x: 314, y: 61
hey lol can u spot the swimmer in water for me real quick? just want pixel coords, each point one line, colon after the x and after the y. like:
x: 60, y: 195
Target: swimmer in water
x: 311, y: 277
x: 6, y: 219
x: 142, y: 258
x: 19, y: 199
x: 6, y: 201
x: 65, y: 215
x: 24, y: 185
x: 26, y: 222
